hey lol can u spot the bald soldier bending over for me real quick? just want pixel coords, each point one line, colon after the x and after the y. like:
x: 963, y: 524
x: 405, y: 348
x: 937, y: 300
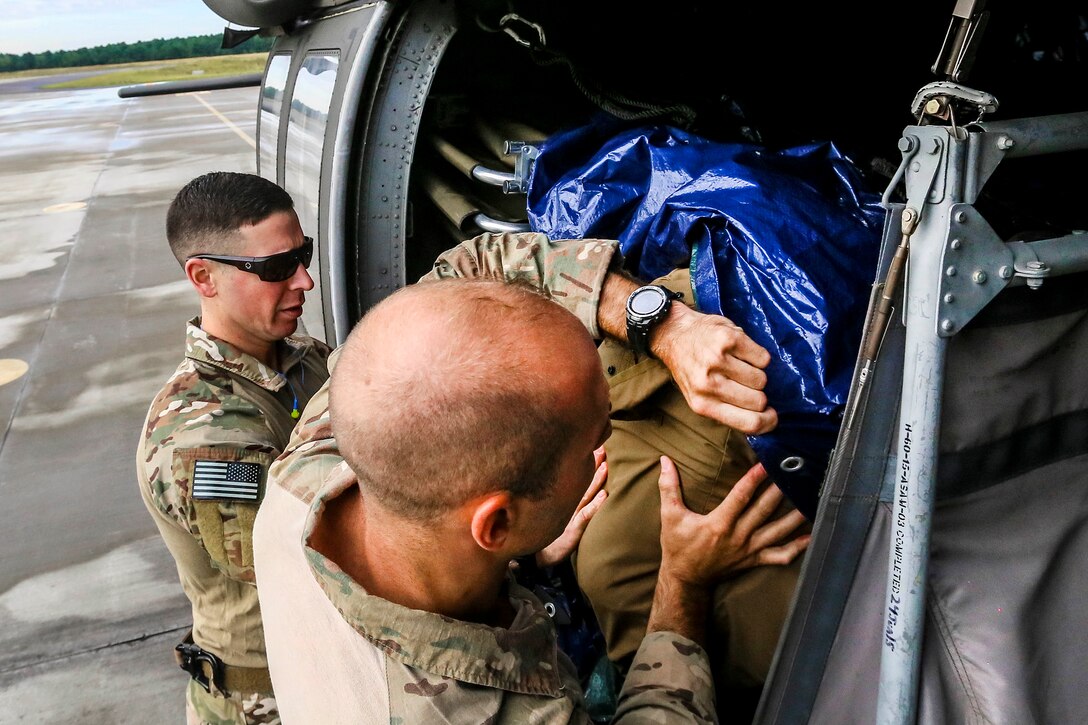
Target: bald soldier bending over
x: 468, y: 413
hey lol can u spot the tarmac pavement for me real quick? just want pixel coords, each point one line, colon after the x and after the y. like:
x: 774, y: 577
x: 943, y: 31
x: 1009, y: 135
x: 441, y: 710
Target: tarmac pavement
x: 92, y: 313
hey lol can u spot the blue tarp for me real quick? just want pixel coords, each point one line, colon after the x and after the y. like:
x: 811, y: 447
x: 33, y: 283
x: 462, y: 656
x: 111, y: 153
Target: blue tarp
x: 784, y: 243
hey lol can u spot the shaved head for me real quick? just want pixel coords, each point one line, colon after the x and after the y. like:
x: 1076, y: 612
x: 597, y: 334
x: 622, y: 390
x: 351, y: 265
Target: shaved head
x: 448, y: 390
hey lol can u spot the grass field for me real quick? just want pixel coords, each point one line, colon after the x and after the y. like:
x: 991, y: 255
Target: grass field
x: 152, y: 71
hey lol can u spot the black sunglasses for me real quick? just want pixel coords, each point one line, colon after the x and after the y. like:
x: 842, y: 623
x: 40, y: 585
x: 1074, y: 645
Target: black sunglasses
x: 274, y: 268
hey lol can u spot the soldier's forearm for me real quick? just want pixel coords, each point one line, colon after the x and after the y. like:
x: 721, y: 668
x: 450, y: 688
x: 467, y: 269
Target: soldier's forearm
x: 611, y: 312
x: 679, y: 607
x: 612, y: 315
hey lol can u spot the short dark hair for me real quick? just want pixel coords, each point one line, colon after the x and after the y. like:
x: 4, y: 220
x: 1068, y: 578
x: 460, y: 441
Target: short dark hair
x: 206, y: 213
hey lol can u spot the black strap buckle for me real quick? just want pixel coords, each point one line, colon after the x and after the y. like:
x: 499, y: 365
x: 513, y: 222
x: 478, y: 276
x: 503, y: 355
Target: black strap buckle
x: 192, y: 658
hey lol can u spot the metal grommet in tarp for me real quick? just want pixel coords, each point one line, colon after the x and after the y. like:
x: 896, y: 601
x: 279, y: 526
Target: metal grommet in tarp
x: 792, y: 464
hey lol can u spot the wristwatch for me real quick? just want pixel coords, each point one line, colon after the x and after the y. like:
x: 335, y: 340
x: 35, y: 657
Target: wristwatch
x: 647, y: 306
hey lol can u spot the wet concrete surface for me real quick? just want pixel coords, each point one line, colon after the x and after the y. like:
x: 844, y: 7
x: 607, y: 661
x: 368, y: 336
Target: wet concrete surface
x: 94, y: 305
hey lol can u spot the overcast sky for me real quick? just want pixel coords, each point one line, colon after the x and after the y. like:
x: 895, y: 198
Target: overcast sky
x: 39, y: 25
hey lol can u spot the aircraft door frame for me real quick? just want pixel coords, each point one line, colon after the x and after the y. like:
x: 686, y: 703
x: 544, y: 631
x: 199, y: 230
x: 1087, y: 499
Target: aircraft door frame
x: 352, y: 40
x: 414, y: 44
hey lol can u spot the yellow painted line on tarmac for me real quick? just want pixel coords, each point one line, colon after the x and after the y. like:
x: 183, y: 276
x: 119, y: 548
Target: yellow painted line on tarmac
x: 11, y: 369
x: 229, y: 123
x: 66, y: 206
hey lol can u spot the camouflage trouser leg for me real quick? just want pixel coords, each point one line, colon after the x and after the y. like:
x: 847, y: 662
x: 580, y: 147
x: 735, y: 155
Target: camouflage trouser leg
x: 205, y: 708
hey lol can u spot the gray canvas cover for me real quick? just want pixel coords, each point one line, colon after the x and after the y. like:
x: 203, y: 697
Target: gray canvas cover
x: 1004, y: 638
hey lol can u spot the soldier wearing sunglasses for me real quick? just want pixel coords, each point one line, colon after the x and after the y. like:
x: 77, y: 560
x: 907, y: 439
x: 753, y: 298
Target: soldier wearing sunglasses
x: 222, y: 418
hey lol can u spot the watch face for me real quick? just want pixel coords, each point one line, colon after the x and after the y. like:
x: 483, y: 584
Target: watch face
x: 646, y: 301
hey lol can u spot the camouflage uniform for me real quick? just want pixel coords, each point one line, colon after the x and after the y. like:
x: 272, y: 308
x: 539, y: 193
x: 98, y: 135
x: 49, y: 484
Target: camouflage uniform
x: 573, y: 274
x: 222, y: 410
x: 339, y: 654
x: 354, y: 657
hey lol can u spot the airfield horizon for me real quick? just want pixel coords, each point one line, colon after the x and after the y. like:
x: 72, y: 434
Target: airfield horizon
x: 147, y: 71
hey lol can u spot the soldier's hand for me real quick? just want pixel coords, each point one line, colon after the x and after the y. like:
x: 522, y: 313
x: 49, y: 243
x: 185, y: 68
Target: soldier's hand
x: 717, y: 367
x: 591, y: 503
x: 739, y: 533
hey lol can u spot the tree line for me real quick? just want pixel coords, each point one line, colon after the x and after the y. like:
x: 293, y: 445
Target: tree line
x: 195, y: 46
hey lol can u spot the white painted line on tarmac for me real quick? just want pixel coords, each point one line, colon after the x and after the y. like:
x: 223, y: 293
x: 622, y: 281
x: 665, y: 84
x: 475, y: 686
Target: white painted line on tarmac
x: 229, y: 123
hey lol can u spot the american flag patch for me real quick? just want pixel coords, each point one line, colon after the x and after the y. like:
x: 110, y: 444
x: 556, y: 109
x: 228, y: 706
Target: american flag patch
x: 229, y: 480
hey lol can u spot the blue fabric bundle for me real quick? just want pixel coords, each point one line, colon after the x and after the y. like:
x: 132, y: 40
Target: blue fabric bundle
x: 783, y: 243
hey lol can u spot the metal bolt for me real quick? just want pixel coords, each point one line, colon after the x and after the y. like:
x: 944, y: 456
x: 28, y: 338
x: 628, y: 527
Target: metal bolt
x: 1004, y: 143
x: 961, y: 217
x: 906, y: 144
x: 1035, y: 266
x: 1005, y: 271
x: 948, y: 325
x: 951, y: 271
x: 979, y: 277
x: 949, y: 298
x: 935, y: 146
x: 915, y: 166
x: 933, y: 107
x: 955, y: 244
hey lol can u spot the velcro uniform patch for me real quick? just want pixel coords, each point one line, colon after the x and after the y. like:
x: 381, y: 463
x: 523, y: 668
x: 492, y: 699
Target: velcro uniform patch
x: 226, y: 480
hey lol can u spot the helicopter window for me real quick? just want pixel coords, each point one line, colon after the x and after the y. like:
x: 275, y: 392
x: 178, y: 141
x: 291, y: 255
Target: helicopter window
x: 271, y: 107
x: 311, y: 99
x: 306, y: 132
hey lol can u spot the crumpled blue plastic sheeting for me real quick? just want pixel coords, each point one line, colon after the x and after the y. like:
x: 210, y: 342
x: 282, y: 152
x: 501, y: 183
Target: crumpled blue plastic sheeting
x: 784, y: 243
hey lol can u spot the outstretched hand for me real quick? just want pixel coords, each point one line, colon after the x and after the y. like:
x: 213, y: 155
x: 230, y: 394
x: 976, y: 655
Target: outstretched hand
x: 590, y: 504
x: 740, y: 533
x: 717, y: 367
x: 697, y: 551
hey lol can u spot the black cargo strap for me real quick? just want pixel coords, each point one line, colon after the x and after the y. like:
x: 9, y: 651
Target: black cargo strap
x: 213, y: 675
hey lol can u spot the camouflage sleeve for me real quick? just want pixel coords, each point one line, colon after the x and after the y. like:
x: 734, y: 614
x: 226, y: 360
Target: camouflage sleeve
x: 669, y: 681
x: 570, y: 271
x: 208, y: 473
x: 221, y: 521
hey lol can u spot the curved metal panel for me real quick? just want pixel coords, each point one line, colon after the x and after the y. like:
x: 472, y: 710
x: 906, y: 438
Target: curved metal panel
x: 421, y: 38
x: 340, y: 159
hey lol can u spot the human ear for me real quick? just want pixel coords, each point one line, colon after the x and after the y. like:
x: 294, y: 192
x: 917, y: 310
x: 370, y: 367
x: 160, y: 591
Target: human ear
x: 491, y: 520
x: 200, y: 276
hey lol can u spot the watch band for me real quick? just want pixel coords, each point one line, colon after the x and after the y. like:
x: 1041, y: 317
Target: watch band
x: 646, y: 307
x: 638, y: 337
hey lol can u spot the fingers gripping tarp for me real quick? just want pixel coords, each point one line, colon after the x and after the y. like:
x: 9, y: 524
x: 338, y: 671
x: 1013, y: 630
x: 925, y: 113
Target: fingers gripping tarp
x: 783, y: 243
